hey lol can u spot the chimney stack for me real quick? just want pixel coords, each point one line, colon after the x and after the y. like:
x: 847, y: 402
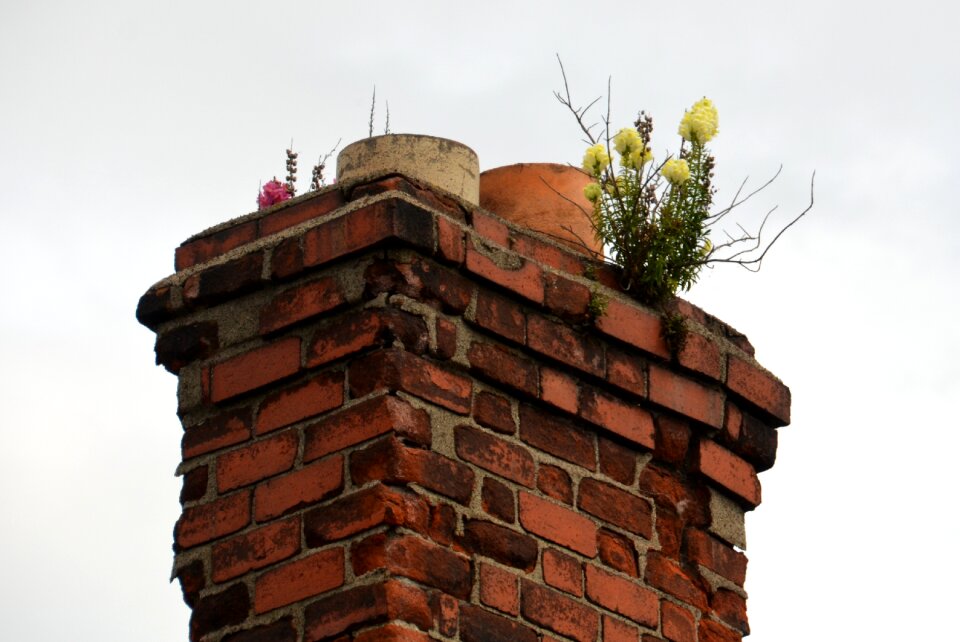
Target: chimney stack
x: 408, y: 419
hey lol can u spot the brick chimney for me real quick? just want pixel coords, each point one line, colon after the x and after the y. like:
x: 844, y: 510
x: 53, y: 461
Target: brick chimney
x: 405, y: 421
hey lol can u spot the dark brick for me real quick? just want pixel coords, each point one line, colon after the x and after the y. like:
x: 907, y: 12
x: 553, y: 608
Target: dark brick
x: 498, y: 500
x: 616, y: 506
x: 479, y: 625
x: 186, y: 344
x: 557, y: 437
x: 194, y: 485
x: 494, y: 411
x: 280, y: 631
x: 225, y: 280
x: 219, y: 610
x: 500, y: 543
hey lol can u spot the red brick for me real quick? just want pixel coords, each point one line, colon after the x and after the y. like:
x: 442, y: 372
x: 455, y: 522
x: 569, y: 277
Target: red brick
x: 566, y: 298
x: 559, y: 390
x: 225, y: 280
x: 665, y: 487
x: 308, y: 485
x: 563, y: 572
x: 558, y: 613
x: 617, y: 462
x: 558, y: 524
x: 225, y: 429
x: 731, y: 608
x: 701, y: 355
x: 559, y: 341
x: 286, y: 259
x: 711, y: 631
x: 194, y: 485
x: 203, y: 249
x: 555, y: 482
x: 542, y: 252
x: 503, y: 366
x: 282, y: 630
x: 184, y: 344
x: 673, y: 439
x: 317, y: 206
x: 256, y: 368
x: 717, y: 556
x: 391, y: 633
x: 363, y: 421
x: 479, y: 625
x: 666, y: 575
x: 497, y: 499
x: 427, y: 282
x: 499, y: 589
x: 500, y: 315
x: 442, y: 527
x: 635, y: 326
x: 496, y: 455
x: 728, y: 470
x: 491, y: 228
x: 626, y: 420
x: 348, y: 233
x: 759, y: 388
x: 446, y: 339
x: 259, y: 460
x: 255, y: 549
x: 557, y: 437
x: 363, y: 510
x: 679, y: 624
x: 626, y: 372
x: 526, y: 279
x: 617, y: 552
x: 366, y: 604
x: 416, y: 559
x: 500, y: 543
x: 495, y: 412
x: 448, y: 615
x: 299, y: 402
x: 617, y: 631
x: 399, y: 370
x: 298, y: 580
x: 451, y: 240
x: 685, y: 396
x: 391, y: 462
x: 353, y: 332
x: 218, y: 610
x: 199, y: 524
x: 616, y: 506
x: 732, y: 423
x: 301, y: 302
x: 622, y: 596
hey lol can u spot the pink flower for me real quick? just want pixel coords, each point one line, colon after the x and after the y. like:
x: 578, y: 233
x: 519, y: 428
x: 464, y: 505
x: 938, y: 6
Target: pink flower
x: 272, y: 193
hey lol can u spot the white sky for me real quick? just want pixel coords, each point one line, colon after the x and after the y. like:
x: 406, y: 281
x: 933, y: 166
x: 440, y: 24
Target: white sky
x: 125, y: 127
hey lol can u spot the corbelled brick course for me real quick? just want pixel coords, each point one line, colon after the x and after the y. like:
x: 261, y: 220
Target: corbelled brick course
x: 402, y: 422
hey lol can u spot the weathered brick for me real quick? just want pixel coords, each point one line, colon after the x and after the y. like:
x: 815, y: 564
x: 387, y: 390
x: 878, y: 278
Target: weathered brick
x: 157, y: 305
x: 622, y: 596
x: 557, y: 437
x: 259, y: 460
x: 219, y: 282
x: 419, y: 279
x: 364, y: 605
x: 710, y: 631
x: 731, y: 608
x: 185, y: 344
x: 500, y: 315
x: 298, y: 580
x: 392, y: 633
x: 301, y: 401
x: 282, y: 630
x: 626, y: 372
x: 618, y: 462
x: 308, y: 485
x: 526, y: 278
x: 679, y: 624
x: 448, y: 615
x: 759, y: 388
x: 479, y: 625
x: 363, y: 421
x: 728, y: 470
x: 494, y: 412
x: 559, y: 341
x: 495, y: 454
x: 255, y: 368
x: 558, y: 613
x: 193, y: 579
x: 504, y: 366
x: 222, y: 430
x: 287, y: 258
x: 616, y: 631
x: 363, y: 510
x: 223, y: 516
x: 686, y: 396
x: 558, y: 524
x: 194, y: 485
x: 559, y: 390
x: 566, y: 298
x: 490, y: 228
x: 255, y: 549
x: 635, y: 326
x: 562, y: 571
x: 399, y: 370
x: 716, y: 556
x: 555, y: 482
x: 391, y: 462
x: 757, y: 443
x: 702, y: 355
x: 500, y: 543
x: 351, y: 333
x: 666, y: 575
x: 617, y: 552
x: 446, y: 339
x: 203, y: 249
x: 497, y: 499
x: 301, y: 302
x: 450, y: 237
x: 417, y: 559
x: 540, y: 251
x: 616, y: 506
x: 218, y: 610
x: 315, y: 207
x: 624, y: 419
x: 499, y: 589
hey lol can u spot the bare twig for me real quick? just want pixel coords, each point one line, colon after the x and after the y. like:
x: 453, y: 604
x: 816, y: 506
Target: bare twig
x: 373, y: 105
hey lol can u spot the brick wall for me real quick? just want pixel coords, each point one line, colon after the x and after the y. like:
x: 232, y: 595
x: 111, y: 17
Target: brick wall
x: 403, y: 422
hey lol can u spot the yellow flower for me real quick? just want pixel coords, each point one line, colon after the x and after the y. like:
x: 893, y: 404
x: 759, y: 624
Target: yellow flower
x: 626, y: 140
x: 638, y: 157
x: 700, y: 123
x: 676, y: 171
x: 592, y: 192
x: 707, y: 248
x: 620, y: 187
x: 596, y: 159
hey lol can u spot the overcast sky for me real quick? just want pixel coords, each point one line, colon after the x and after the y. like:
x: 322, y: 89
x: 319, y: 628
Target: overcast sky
x: 125, y: 127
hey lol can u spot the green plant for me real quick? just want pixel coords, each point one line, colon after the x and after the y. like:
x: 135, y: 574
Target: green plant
x: 598, y: 304
x: 673, y: 329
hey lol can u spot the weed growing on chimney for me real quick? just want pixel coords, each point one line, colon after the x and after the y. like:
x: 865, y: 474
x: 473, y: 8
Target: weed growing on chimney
x: 598, y: 305
x: 291, y: 170
x: 276, y: 192
x: 655, y: 217
x: 673, y: 330
x: 373, y: 108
